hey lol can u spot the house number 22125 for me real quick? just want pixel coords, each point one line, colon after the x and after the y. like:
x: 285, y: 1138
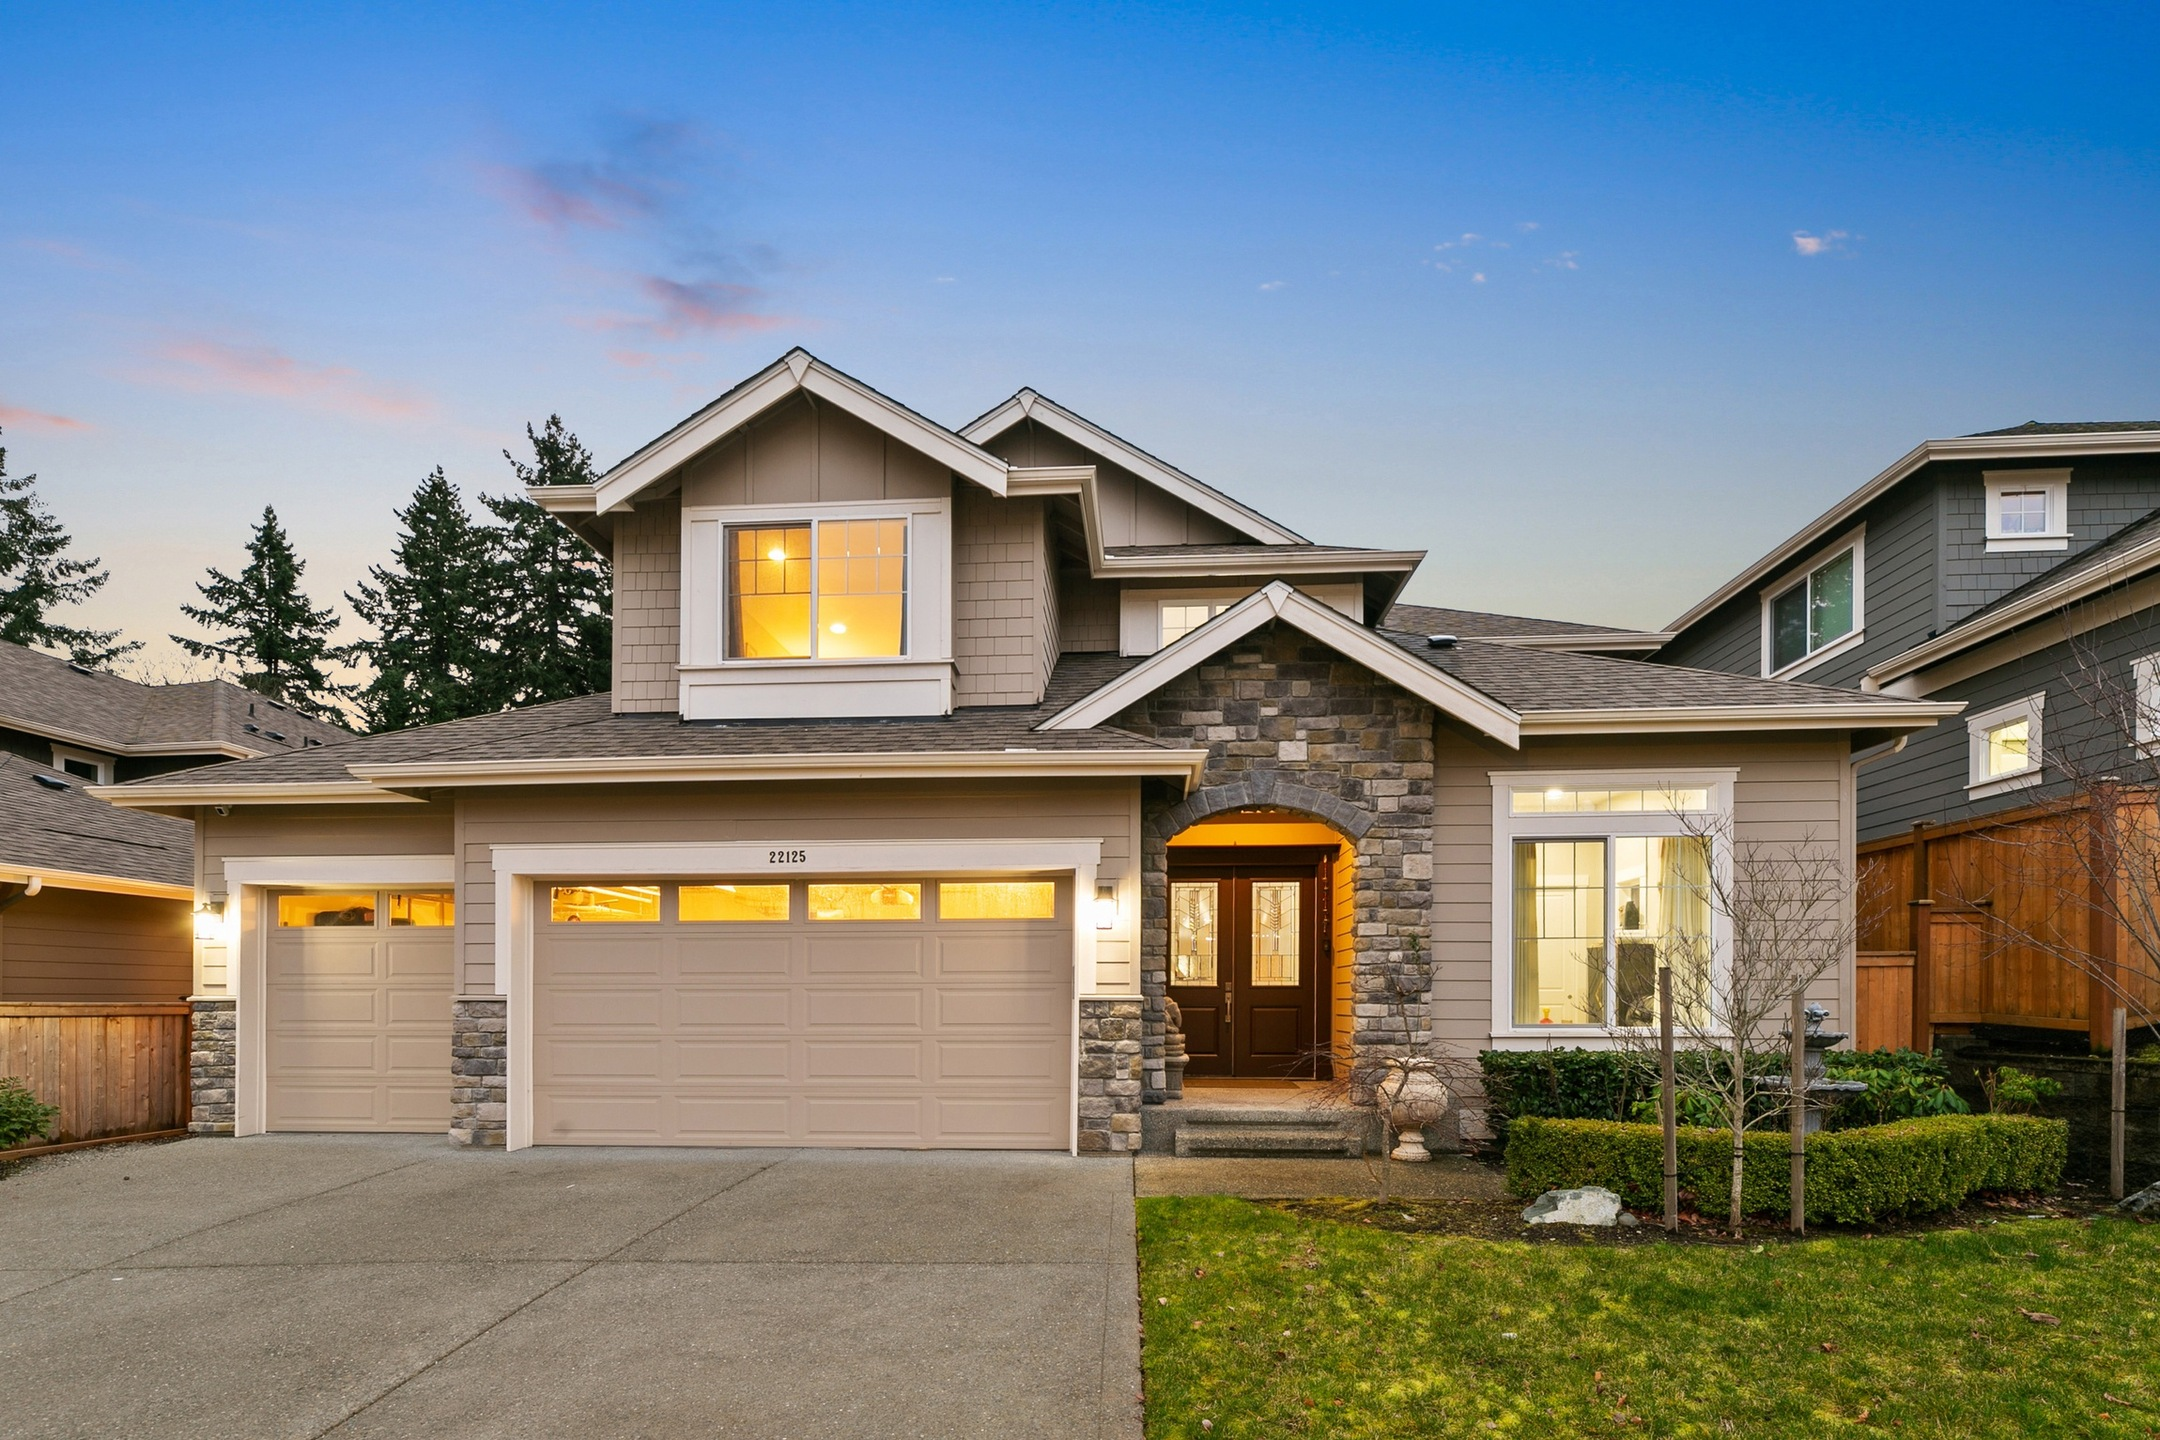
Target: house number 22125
x: 787, y: 857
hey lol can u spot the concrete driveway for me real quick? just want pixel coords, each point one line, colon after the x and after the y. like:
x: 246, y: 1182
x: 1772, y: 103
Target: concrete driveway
x: 364, y: 1286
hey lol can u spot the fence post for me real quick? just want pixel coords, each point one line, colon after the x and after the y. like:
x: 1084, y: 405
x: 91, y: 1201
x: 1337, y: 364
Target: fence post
x: 1923, y: 944
x: 2120, y: 1079
x: 1668, y: 1109
x: 1796, y: 1093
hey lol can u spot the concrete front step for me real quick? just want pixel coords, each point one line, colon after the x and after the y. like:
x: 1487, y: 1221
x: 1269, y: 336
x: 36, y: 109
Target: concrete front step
x: 1251, y: 1130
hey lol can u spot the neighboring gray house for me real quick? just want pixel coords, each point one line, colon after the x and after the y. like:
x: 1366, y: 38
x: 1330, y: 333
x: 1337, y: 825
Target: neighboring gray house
x: 2016, y: 572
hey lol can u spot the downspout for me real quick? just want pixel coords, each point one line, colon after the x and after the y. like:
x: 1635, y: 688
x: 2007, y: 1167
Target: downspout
x: 1878, y: 752
x: 19, y: 893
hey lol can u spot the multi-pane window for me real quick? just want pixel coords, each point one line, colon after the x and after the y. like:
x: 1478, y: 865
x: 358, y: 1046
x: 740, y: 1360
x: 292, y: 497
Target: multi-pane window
x: 1181, y: 618
x: 1595, y: 918
x: 1815, y: 612
x: 832, y: 589
x: 2024, y: 512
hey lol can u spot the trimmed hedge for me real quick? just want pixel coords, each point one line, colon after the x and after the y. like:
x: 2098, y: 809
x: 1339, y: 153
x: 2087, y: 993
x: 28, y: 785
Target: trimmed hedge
x: 1910, y: 1167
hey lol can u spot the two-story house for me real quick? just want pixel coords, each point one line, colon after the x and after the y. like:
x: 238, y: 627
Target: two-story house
x: 937, y: 762
x: 95, y: 900
x: 2015, y: 573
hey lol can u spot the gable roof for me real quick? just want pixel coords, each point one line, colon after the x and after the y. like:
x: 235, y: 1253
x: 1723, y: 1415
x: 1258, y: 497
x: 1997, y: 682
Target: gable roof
x: 52, y: 829
x: 2072, y: 427
x: 45, y: 695
x: 1027, y: 404
x: 1521, y: 630
x: 2029, y: 441
x: 798, y: 371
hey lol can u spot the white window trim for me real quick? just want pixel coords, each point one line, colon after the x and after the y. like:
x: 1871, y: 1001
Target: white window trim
x: 1978, y: 783
x: 2145, y: 695
x: 2056, y: 485
x: 1509, y: 827
x: 1854, y: 540
x: 62, y: 753
x: 747, y: 517
x: 1140, y: 610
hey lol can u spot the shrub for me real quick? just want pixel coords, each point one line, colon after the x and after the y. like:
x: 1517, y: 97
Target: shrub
x: 1910, y: 1167
x: 2010, y: 1091
x: 21, y: 1116
x: 1902, y: 1085
x: 1606, y: 1085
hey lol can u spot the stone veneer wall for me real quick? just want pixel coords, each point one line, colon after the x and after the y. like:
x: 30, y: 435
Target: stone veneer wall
x: 213, y: 1065
x: 1109, y: 1075
x: 479, y: 1069
x: 1289, y: 723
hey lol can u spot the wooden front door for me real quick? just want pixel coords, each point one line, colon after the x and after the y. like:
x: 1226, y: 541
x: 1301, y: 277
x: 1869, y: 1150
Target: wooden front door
x: 1249, y: 960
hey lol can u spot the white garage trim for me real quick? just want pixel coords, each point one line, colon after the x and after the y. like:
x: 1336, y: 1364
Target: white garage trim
x: 516, y: 867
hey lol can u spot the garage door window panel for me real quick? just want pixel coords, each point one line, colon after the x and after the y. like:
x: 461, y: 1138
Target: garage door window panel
x: 732, y: 904
x: 597, y: 904
x: 298, y: 912
x: 423, y: 909
x: 878, y: 901
x: 997, y: 900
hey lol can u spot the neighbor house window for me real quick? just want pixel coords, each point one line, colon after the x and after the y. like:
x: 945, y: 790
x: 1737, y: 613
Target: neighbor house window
x: 2003, y: 747
x: 1181, y: 617
x: 1597, y: 896
x: 2027, y: 510
x: 1814, y: 612
x: 2145, y: 699
x: 826, y: 589
x: 82, y: 765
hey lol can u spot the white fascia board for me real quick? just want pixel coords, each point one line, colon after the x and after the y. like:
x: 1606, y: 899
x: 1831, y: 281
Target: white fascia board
x: 84, y: 741
x: 1030, y: 405
x: 798, y: 370
x: 564, y: 499
x: 375, y: 870
x: 899, y: 765
x: 1606, y: 642
x: 1281, y: 601
x: 1684, y: 719
x: 2070, y: 590
x: 11, y: 874
x: 1177, y: 567
x: 313, y: 792
x: 1976, y: 447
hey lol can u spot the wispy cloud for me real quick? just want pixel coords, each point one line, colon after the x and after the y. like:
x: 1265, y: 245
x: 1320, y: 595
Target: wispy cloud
x: 1830, y: 242
x: 642, y: 169
x: 38, y: 419
x: 1526, y: 226
x: 704, y: 307
x: 1273, y: 284
x: 1565, y: 260
x: 217, y: 366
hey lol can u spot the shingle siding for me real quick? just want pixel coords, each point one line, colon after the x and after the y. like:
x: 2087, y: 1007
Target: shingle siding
x: 648, y: 607
x: 2105, y: 495
x: 1004, y: 600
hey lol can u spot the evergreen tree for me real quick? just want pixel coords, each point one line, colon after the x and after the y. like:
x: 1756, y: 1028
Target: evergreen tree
x: 270, y: 630
x: 553, y: 634
x: 432, y: 612
x: 36, y: 576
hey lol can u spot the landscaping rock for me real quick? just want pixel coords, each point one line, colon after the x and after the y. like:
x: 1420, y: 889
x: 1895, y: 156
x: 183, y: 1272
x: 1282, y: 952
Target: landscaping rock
x: 1589, y: 1205
x: 2144, y: 1202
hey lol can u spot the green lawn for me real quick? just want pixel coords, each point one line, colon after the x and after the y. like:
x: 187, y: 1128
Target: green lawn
x: 1266, y: 1323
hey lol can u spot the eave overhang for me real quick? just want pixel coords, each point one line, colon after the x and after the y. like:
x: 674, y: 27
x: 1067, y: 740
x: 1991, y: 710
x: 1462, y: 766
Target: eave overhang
x: 886, y: 765
x: 1881, y: 715
x: 181, y: 797
x: 13, y: 874
x: 83, y: 740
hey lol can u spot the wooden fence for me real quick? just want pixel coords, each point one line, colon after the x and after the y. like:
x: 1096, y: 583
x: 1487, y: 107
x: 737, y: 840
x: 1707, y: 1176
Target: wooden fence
x: 2004, y: 920
x: 115, y: 1070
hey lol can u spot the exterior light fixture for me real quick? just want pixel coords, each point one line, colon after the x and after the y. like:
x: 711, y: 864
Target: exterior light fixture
x: 1106, y: 907
x: 210, y: 919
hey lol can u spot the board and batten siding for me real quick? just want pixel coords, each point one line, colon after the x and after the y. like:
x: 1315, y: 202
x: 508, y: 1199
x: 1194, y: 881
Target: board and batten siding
x: 1787, y: 791
x: 427, y: 828
x: 957, y: 810
x: 84, y: 945
x: 648, y: 607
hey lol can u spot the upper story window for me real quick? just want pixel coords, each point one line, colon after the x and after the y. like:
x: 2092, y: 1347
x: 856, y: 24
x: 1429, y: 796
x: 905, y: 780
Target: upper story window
x: 1181, y: 617
x: 82, y: 765
x: 2003, y: 747
x: 818, y: 589
x: 2027, y: 510
x: 1816, y: 612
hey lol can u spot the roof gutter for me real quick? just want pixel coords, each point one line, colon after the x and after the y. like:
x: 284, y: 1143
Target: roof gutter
x: 1686, y: 719
x: 87, y: 741
x: 1601, y: 642
x: 1185, y: 765
x: 39, y: 878
x: 140, y: 796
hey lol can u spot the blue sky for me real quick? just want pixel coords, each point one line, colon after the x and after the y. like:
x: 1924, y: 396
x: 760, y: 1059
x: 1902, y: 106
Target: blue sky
x: 1595, y: 304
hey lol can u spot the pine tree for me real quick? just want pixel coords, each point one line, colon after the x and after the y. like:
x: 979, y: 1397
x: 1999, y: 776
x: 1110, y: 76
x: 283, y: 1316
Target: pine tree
x: 36, y: 576
x: 432, y: 611
x: 271, y: 631
x: 552, y: 629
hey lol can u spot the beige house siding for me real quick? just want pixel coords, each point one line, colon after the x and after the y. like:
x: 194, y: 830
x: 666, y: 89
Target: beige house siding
x: 1004, y: 600
x: 1087, y: 613
x: 1787, y: 790
x: 1132, y: 511
x: 82, y: 945
x: 648, y: 605
x: 1105, y: 810
x: 804, y: 452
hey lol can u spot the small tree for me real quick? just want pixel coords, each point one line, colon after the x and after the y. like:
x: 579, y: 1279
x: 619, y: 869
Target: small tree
x: 36, y: 576
x: 1785, y: 910
x: 267, y: 626
x: 432, y: 612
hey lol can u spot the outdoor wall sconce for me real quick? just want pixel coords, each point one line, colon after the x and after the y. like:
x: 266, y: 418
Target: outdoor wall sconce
x: 1106, y: 907
x: 210, y: 919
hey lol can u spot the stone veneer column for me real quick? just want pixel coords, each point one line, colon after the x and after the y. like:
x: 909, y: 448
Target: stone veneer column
x: 479, y: 1069
x: 213, y: 1064
x: 1109, y: 1075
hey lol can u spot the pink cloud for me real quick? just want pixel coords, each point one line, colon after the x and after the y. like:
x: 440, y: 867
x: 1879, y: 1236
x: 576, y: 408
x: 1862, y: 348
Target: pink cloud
x: 214, y: 365
x: 699, y: 307
x: 38, y: 419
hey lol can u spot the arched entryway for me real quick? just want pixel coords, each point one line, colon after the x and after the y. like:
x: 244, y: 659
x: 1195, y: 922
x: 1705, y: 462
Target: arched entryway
x: 1261, y: 920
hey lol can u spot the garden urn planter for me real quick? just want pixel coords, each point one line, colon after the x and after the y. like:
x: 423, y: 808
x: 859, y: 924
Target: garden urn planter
x: 1415, y: 1098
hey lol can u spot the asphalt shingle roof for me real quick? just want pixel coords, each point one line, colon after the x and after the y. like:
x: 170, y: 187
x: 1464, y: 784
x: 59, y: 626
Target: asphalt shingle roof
x: 44, y: 694
x: 1480, y: 624
x: 2071, y: 427
x: 2099, y: 558
x: 47, y: 826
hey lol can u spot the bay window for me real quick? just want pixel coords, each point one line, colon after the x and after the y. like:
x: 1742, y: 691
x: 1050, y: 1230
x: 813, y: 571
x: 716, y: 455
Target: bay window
x: 817, y: 589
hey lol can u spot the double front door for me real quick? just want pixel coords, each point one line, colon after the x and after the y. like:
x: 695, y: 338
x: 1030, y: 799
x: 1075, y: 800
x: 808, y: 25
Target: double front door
x: 1248, y: 960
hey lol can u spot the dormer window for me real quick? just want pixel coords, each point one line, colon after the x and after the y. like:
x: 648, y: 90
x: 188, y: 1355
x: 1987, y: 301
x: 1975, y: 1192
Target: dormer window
x: 2027, y: 510
x: 818, y: 589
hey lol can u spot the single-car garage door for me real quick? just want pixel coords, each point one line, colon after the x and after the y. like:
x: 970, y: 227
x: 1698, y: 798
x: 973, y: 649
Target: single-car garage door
x: 903, y: 1012
x: 358, y: 1000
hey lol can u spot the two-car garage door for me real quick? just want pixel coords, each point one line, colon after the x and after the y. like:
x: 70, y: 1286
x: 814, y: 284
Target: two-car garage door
x: 901, y: 1012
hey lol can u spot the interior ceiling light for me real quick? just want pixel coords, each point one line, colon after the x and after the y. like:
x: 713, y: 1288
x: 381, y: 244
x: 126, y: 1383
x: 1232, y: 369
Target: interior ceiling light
x: 776, y: 554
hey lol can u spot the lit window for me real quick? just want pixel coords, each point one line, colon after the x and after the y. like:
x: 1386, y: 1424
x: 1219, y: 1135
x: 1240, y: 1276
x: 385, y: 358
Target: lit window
x: 2004, y: 747
x: 2009, y: 748
x: 422, y: 909
x: 1594, y: 919
x: 997, y: 900
x: 1184, y: 617
x: 835, y: 589
x: 309, y: 911
x: 1563, y: 800
x: 1276, y: 932
x: 1194, y: 907
x: 2145, y: 692
x: 603, y: 904
x: 1821, y: 609
x: 866, y: 902
x: 760, y: 903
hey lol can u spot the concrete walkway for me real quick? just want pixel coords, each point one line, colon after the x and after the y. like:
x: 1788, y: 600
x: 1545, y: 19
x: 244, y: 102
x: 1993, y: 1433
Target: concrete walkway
x: 392, y: 1286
